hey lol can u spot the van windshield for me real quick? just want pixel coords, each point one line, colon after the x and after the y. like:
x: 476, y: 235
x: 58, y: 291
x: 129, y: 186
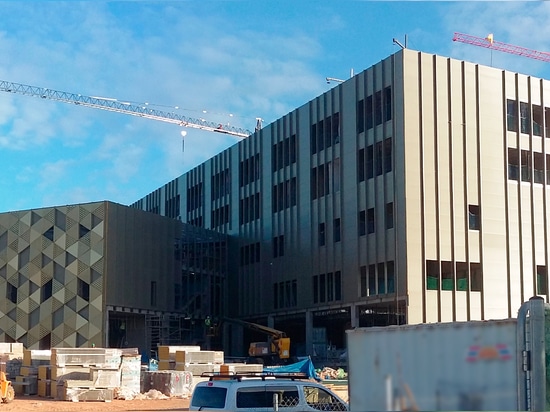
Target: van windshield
x: 209, y: 397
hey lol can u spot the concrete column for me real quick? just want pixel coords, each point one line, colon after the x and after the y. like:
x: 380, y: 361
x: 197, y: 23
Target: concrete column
x: 354, y: 314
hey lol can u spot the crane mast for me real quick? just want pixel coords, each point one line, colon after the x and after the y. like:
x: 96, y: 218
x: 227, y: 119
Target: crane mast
x: 489, y: 43
x: 114, y: 105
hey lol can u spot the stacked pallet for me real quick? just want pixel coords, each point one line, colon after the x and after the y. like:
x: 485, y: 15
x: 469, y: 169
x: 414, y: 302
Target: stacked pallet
x: 26, y: 383
x: 198, y: 362
x: 167, y: 355
x: 11, y: 359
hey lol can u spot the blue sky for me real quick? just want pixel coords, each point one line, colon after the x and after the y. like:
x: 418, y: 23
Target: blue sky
x: 247, y: 59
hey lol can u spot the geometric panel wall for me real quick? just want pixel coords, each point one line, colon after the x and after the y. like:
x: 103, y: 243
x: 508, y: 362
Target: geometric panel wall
x: 51, y: 276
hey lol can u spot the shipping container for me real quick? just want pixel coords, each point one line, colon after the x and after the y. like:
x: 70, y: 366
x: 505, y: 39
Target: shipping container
x: 475, y: 365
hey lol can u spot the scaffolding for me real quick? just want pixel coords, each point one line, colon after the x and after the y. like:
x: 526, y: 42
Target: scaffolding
x: 164, y: 329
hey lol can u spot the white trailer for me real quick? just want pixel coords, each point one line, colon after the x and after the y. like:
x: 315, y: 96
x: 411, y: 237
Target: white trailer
x: 475, y: 365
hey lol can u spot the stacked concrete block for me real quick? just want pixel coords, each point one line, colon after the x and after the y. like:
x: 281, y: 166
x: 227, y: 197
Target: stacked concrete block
x: 11, y: 359
x: 198, y: 362
x: 167, y: 355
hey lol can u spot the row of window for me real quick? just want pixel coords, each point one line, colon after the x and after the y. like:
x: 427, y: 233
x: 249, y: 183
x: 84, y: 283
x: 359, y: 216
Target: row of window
x: 283, y: 153
x: 249, y: 170
x: 367, y: 223
x: 327, y: 287
x: 249, y: 209
x: 374, y: 160
x: 172, y: 207
x: 374, y: 110
x: 284, y: 195
x: 279, y: 246
x: 46, y: 291
x: 325, y: 133
x: 285, y: 294
x: 221, y: 184
x: 532, y: 118
x: 219, y: 216
x: 325, y: 179
x: 449, y: 276
x: 194, y: 197
x: 526, y: 166
x: 377, y: 279
x: 250, y: 254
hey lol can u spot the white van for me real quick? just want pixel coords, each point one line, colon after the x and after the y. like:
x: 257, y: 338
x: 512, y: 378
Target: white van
x: 262, y: 393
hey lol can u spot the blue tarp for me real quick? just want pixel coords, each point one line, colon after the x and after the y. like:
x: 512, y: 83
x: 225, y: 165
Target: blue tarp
x: 305, y: 366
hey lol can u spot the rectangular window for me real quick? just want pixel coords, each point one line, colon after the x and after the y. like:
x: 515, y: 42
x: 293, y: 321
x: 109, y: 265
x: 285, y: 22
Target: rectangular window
x: 293, y: 149
x: 513, y: 164
x: 363, y: 281
x: 370, y: 118
x: 378, y: 108
x: 370, y: 221
x: 389, y: 215
x: 381, y: 279
x: 447, y: 277
x: 372, y: 280
x: 538, y: 168
x: 330, y: 287
x: 336, y: 127
x: 378, y: 164
x: 537, y: 120
x: 315, y: 289
x: 320, y: 136
x: 361, y: 165
x: 512, y: 115
x: 476, y: 277
x: 390, y: 275
x: 525, y: 166
x: 362, y: 223
x: 387, y: 103
x: 313, y: 138
x: 322, y: 288
x: 336, y: 175
x: 542, y: 280
x: 369, y: 164
x: 432, y: 275
x: 547, y: 120
x: 388, y: 155
x: 525, y: 117
x: 278, y: 246
x: 336, y: 228
x: 474, y: 221
x: 461, y: 276
x: 337, y: 285
x: 313, y: 183
x: 328, y: 131
x: 11, y: 293
x: 360, y: 116
x: 322, y: 234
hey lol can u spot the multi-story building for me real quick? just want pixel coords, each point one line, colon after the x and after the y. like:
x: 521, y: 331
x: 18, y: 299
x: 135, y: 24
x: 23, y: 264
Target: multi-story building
x: 106, y: 274
x: 416, y: 191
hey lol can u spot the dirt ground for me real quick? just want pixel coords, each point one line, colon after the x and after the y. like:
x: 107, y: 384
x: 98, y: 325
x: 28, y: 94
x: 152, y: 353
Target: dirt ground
x: 37, y: 403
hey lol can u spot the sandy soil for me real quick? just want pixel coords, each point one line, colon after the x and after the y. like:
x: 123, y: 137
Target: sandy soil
x: 37, y: 403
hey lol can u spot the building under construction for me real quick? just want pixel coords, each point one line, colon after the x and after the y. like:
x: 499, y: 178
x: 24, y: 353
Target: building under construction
x: 414, y: 192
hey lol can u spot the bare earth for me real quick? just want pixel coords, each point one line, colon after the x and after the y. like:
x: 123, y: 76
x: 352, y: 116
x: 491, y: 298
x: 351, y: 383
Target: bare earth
x: 37, y: 403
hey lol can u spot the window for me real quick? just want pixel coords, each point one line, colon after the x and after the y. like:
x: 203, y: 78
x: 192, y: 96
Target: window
x: 336, y: 127
x: 537, y: 120
x: 389, y: 215
x: 461, y: 276
x: 370, y: 118
x: 330, y: 287
x: 512, y: 115
x: 83, y: 290
x: 525, y: 117
x: 538, y: 168
x: 378, y: 108
x: 322, y: 234
x: 313, y: 138
x: 369, y: 165
x: 11, y: 293
x: 542, y: 280
x: 390, y: 275
x: 547, y: 120
x: 361, y: 116
x: 362, y: 223
x: 513, y: 164
x: 372, y: 280
x: 379, y: 159
x: 207, y: 397
x: 46, y: 291
x: 336, y: 230
x: 473, y: 217
x: 315, y: 289
x: 262, y: 397
x: 363, y: 281
x: 322, y: 288
x: 387, y: 103
x: 525, y: 166
x: 476, y: 277
x: 370, y: 221
x: 337, y: 285
x: 320, y: 399
x: 381, y: 279
x: 279, y: 246
x: 361, y: 165
x: 447, y: 277
x: 388, y: 155
x: 432, y: 275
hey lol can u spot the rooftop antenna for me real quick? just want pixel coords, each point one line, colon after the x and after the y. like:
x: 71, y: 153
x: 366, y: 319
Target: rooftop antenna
x: 395, y: 41
x: 334, y: 79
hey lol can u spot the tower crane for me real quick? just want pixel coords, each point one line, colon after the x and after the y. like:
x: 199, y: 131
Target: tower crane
x: 114, y: 105
x: 489, y: 43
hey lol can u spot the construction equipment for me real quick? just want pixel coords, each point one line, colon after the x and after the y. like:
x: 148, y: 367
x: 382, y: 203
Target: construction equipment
x: 114, y: 105
x: 7, y: 393
x: 275, y: 350
x: 490, y: 43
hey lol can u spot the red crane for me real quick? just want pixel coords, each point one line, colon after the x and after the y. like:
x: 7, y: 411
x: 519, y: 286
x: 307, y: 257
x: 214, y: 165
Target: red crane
x: 489, y: 43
